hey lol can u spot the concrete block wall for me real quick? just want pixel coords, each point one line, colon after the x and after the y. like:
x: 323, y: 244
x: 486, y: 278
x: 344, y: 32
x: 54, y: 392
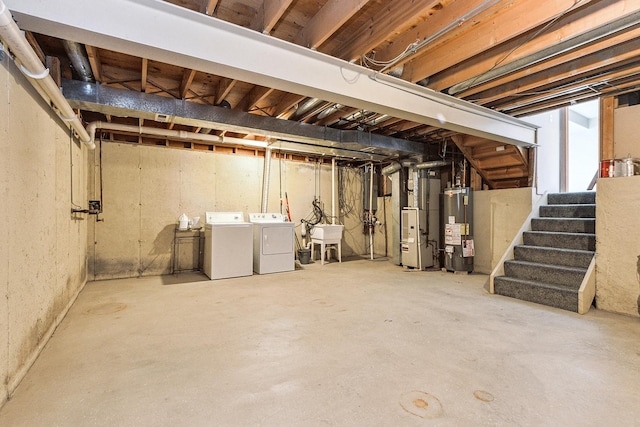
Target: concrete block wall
x: 42, y: 246
x: 145, y: 189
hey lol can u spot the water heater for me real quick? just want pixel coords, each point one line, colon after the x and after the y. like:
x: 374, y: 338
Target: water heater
x: 457, y: 224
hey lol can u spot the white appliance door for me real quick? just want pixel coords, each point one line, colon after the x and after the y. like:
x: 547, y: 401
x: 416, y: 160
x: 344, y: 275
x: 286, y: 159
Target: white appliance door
x: 232, y: 250
x: 277, y: 240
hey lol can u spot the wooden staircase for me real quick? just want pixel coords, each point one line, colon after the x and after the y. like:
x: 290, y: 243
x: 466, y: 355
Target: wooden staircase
x: 500, y: 165
x: 554, y: 262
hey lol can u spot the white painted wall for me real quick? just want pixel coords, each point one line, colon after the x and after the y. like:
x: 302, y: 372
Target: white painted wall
x: 584, y: 145
x: 547, y: 174
x: 626, y: 129
x: 497, y: 217
x: 42, y: 246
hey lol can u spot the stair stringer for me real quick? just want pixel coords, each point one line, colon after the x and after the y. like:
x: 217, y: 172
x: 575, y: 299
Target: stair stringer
x: 498, y: 270
x: 587, y: 291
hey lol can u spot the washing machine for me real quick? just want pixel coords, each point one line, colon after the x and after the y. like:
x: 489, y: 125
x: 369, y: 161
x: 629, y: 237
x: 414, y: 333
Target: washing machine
x: 273, y: 248
x: 228, y: 245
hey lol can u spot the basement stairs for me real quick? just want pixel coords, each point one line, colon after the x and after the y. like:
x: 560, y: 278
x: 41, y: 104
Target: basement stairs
x: 554, y: 263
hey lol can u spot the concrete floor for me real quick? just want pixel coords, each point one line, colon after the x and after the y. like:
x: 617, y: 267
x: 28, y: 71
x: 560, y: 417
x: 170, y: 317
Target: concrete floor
x: 358, y: 343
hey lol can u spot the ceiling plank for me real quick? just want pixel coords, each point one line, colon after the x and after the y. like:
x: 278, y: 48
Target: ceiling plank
x: 592, y: 15
x: 508, y: 23
x: 94, y: 60
x: 397, y: 17
x: 327, y: 21
x: 187, y: 78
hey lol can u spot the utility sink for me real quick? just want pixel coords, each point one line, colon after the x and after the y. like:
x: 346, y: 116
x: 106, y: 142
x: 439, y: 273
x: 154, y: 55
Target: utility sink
x: 327, y: 232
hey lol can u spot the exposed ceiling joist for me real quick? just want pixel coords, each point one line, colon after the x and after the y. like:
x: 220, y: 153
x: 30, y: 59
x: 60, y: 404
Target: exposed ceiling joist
x: 264, y: 61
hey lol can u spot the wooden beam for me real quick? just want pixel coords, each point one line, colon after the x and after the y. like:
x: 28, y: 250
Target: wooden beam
x: 459, y: 141
x: 607, y: 107
x: 499, y: 87
x: 268, y: 15
x: 209, y: 7
x: 185, y: 84
x: 36, y: 47
x: 94, y: 60
x: 255, y: 95
x: 224, y: 87
x: 397, y: 17
x: 511, y: 20
x: 287, y: 102
x: 143, y: 75
x: 439, y: 20
x: 53, y: 64
x: 591, y: 15
x: 327, y: 21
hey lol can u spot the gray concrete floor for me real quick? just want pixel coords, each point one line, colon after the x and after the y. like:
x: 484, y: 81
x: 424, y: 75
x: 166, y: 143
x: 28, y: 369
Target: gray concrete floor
x: 358, y: 343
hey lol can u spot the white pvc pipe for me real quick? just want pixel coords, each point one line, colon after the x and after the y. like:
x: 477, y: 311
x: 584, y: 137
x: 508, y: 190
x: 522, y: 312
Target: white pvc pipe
x: 333, y: 191
x: 265, y: 179
x: 371, y: 210
x: 37, y: 73
x: 169, y: 133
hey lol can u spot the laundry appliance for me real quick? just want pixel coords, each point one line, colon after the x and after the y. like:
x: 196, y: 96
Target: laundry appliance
x: 273, y: 248
x: 228, y: 245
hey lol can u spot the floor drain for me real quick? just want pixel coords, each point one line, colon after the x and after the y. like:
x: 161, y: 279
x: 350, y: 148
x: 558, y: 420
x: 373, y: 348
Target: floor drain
x: 421, y: 404
x: 107, y: 308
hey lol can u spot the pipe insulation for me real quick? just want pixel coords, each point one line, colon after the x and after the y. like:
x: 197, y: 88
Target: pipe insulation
x: 38, y: 74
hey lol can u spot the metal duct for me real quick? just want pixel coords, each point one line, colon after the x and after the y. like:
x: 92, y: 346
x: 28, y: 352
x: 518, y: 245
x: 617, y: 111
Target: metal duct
x: 78, y: 57
x: 125, y: 103
x: 391, y: 169
x: 306, y: 106
x: 433, y: 164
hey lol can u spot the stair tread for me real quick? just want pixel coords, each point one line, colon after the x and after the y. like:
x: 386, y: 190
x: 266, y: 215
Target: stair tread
x: 564, y: 233
x: 565, y: 250
x: 552, y: 266
x: 573, y: 205
x: 538, y: 284
x: 559, y: 218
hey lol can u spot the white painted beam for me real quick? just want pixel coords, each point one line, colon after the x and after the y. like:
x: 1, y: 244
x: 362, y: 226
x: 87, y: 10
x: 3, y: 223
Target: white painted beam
x: 164, y: 32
